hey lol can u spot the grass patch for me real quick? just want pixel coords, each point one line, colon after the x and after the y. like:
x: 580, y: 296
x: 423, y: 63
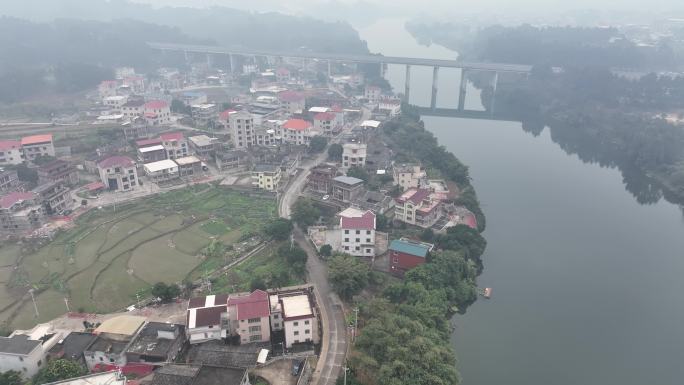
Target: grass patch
x: 215, y: 227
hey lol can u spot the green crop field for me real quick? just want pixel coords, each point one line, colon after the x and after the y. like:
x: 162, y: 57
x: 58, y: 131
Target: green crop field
x: 109, y: 256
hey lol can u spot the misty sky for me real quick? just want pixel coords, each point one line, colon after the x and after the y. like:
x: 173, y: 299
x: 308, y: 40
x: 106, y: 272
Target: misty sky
x: 437, y: 7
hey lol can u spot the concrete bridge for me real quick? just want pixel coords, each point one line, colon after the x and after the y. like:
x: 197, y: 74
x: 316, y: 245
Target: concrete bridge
x: 436, y: 64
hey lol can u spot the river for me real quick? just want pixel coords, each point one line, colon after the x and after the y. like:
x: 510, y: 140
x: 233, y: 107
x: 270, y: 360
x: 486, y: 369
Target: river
x: 587, y: 281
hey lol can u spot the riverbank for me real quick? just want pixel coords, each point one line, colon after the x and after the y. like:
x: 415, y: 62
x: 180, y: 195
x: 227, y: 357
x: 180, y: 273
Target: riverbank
x: 422, y: 304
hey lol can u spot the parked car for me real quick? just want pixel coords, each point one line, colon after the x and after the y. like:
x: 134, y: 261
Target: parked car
x: 297, y: 367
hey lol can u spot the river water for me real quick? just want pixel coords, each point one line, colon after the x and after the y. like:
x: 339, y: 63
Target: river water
x: 587, y: 282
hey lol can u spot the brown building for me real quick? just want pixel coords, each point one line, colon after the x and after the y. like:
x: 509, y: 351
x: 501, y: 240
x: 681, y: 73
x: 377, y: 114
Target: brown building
x: 57, y: 171
x: 320, y: 179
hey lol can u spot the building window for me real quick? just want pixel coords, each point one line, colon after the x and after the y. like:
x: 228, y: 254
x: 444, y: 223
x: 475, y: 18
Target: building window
x: 368, y: 251
x: 307, y: 331
x: 368, y: 240
x: 254, y: 320
x: 358, y: 239
x: 21, y: 359
x: 295, y: 341
x: 40, y: 362
x: 275, y: 316
x: 306, y: 322
x: 358, y: 232
x: 346, y: 239
x: 256, y: 337
x: 368, y: 232
x: 346, y: 231
x: 254, y: 329
x: 395, y: 260
x: 296, y: 333
x: 295, y: 323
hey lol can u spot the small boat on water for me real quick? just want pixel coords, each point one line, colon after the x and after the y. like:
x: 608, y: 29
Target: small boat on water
x: 487, y: 292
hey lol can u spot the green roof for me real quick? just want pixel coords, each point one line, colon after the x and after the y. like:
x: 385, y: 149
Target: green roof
x: 408, y: 247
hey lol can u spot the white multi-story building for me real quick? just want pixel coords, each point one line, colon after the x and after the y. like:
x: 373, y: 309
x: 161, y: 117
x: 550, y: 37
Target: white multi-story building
x: 37, y: 145
x: 357, y: 232
x: 326, y: 122
x: 114, y: 102
x: 118, y: 173
x: 133, y: 108
x: 409, y: 176
x: 299, y: 132
x: 204, y: 113
x: 157, y: 112
x: 266, y: 177
x: 162, y: 170
x: 11, y: 152
x: 207, y: 318
x: 175, y: 144
x: 299, y: 319
x: 418, y: 207
x: 292, y: 101
x: 241, y: 128
x: 250, y: 317
x: 26, y: 351
x: 354, y: 154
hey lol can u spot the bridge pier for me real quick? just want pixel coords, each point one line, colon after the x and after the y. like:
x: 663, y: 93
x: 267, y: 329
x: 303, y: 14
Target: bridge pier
x: 329, y: 69
x: 496, y: 82
x: 383, y: 70
x: 435, y: 76
x: 407, y: 86
x: 187, y: 57
x: 462, y: 89
x: 210, y: 62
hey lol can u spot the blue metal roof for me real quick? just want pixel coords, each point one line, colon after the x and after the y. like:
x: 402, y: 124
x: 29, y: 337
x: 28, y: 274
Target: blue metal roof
x: 412, y: 248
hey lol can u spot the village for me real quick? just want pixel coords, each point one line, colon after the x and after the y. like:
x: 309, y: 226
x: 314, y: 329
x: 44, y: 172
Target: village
x: 286, y: 135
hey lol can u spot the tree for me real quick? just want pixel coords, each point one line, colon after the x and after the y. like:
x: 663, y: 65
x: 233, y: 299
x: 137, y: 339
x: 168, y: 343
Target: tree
x: 326, y: 250
x: 427, y: 235
x: 305, y: 213
x: 462, y: 237
x: 358, y: 172
x: 381, y: 222
x: 11, y: 377
x: 295, y: 256
x: 335, y: 152
x: 57, y: 370
x: 348, y: 275
x: 27, y: 174
x: 165, y: 292
x: 178, y: 107
x: 257, y: 283
x: 279, y: 229
x: 318, y: 144
x: 215, y: 249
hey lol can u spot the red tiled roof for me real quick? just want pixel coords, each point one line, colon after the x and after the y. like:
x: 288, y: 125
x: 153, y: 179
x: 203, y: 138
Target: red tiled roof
x: 283, y: 71
x: 417, y: 196
x: 225, y: 114
x: 12, y: 198
x: 364, y: 222
x: 296, y: 125
x: 148, y: 142
x: 291, y: 96
x: 156, y: 104
x: 254, y: 305
x: 36, y: 139
x: 324, y: 116
x: 6, y: 145
x: 94, y: 186
x: 172, y: 136
x: 150, y: 115
x: 116, y: 161
x: 209, y: 315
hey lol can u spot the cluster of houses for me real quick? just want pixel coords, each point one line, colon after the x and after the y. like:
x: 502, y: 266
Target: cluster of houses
x: 236, y: 327
x: 421, y: 202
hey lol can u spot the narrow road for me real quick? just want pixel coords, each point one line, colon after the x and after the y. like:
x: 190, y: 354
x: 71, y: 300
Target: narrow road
x: 334, y: 336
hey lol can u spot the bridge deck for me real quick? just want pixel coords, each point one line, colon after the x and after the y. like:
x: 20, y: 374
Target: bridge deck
x: 378, y: 59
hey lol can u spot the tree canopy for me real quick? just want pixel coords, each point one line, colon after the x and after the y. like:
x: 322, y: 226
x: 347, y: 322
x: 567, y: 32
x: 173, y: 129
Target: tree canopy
x: 318, y: 143
x: 335, y: 152
x: 279, y: 229
x: 165, y: 292
x: 11, y: 377
x: 305, y: 213
x: 57, y: 370
x: 348, y: 275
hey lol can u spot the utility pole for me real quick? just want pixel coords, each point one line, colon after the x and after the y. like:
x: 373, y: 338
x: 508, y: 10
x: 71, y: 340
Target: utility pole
x: 66, y: 302
x: 356, y: 322
x: 345, y: 374
x: 35, y: 307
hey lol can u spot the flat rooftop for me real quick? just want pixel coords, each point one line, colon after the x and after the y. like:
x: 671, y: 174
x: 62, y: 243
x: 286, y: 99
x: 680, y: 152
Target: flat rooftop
x: 148, y: 341
x: 165, y: 164
x: 104, y: 343
x: 123, y: 324
x: 296, y: 306
x: 186, y: 160
x: 158, y: 147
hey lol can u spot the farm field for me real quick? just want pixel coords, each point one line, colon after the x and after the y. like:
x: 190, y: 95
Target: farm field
x: 110, y: 257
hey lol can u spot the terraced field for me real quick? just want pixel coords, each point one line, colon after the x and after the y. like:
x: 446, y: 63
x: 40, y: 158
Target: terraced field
x: 110, y: 256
